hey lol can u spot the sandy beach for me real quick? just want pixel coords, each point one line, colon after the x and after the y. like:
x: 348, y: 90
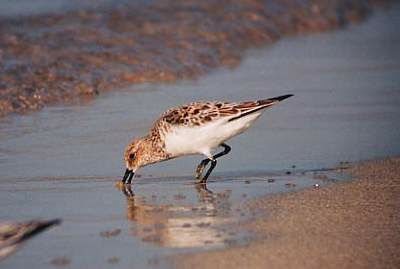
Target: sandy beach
x: 353, y: 224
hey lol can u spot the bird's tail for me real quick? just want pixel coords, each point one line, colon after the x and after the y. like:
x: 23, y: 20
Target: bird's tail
x: 274, y: 100
x: 248, y: 108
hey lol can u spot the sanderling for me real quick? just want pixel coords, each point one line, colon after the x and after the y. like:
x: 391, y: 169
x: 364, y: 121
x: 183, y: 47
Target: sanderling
x: 13, y: 234
x: 196, y: 128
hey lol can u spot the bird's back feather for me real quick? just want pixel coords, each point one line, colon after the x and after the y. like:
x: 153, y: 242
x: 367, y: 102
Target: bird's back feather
x: 201, y: 126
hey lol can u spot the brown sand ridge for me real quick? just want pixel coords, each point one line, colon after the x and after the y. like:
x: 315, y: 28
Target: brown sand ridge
x: 354, y: 224
x: 55, y: 58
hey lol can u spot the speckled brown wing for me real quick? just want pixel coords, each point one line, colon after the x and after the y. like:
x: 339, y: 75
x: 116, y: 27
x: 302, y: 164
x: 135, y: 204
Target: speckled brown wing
x: 199, y: 113
x: 250, y: 107
x: 196, y: 114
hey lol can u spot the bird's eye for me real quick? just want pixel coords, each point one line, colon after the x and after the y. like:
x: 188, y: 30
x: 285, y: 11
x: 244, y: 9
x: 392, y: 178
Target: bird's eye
x: 132, y: 156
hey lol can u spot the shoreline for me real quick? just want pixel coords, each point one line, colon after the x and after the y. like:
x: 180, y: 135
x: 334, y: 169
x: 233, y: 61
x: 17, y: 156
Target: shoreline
x: 349, y: 224
x: 76, y: 55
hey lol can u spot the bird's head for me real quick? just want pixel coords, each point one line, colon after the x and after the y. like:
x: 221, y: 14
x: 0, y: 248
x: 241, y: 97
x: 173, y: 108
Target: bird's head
x: 141, y: 152
x: 132, y: 158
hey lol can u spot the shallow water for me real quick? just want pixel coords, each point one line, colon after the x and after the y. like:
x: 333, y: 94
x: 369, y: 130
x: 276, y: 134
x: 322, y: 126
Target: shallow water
x: 38, y: 7
x: 138, y: 226
x: 63, y: 161
x: 346, y: 108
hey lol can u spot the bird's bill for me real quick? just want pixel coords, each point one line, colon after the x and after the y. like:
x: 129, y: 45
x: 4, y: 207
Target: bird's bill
x: 128, y: 176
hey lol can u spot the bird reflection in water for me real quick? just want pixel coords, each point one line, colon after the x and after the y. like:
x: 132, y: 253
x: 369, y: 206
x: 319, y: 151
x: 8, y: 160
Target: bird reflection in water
x: 178, y: 224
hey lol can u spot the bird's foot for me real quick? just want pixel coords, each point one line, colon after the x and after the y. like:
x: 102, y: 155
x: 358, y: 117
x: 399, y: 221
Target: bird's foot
x: 199, y: 171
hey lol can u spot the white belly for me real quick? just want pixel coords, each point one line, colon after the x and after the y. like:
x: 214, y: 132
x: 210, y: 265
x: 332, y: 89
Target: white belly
x: 202, y: 139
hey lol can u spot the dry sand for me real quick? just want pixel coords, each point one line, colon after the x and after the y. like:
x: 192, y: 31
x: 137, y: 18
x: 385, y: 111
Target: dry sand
x: 353, y: 224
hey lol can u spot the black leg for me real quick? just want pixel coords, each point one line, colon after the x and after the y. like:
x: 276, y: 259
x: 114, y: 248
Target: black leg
x: 204, y: 163
x: 200, y: 168
x: 204, y: 179
x: 129, y: 180
x: 226, y: 150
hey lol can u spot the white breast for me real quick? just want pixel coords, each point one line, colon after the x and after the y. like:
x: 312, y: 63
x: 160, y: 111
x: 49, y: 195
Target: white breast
x: 202, y: 139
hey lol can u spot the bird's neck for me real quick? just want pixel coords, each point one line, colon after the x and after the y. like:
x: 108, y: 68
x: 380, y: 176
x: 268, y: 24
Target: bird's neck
x: 153, y: 150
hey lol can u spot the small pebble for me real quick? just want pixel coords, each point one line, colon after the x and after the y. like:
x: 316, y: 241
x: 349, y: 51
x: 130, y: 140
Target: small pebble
x: 110, y: 233
x: 230, y: 242
x: 113, y: 260
x: 60, y: 261
x: 203, y: 224
x: 159, y: 226
x: 320, y: 176
x: 224, y: 194
x: 151, y: 238
x: 270, y: 180
x: 179, y: 197
x: 153, y: 261
x: 288, y: 172
x: 147, y: 229
x: 247, y: 182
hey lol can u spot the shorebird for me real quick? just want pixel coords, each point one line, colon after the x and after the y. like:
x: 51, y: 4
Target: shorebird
x: 13, y: 234
x: 196, y: 128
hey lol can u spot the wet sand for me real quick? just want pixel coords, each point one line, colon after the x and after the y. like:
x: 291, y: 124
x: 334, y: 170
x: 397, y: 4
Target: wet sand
x: 76, y: 55
x: 354, y: 224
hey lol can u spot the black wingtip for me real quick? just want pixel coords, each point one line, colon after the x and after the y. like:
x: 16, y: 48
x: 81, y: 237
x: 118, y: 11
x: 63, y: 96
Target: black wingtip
x: 38, y: 226
x: 280, y: 98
